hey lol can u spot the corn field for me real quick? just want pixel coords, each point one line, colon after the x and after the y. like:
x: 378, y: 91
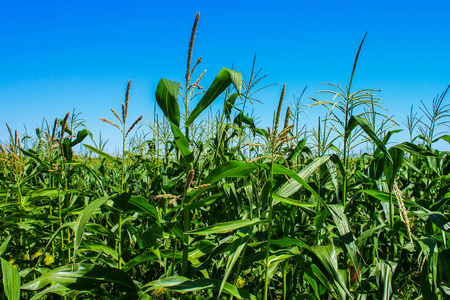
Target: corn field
x: 220, y: 208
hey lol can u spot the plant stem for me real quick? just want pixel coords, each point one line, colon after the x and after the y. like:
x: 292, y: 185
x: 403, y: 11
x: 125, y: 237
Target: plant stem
x: 122, y: 178
x: 269, y: 233
x: 186, y: 222
x: 284, y: 281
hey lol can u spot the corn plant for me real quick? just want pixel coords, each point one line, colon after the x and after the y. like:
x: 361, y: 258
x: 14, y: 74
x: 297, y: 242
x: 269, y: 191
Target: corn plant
x: 347, y: 104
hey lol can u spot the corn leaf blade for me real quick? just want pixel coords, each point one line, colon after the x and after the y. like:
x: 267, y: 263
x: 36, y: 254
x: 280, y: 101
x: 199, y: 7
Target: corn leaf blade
x: 230, y: 169
x: 82, y: 220
x: 166, y: 97
x: 11, y: 280
x: 83, y: 276
x: 220, y: 83
x: 225, y: 227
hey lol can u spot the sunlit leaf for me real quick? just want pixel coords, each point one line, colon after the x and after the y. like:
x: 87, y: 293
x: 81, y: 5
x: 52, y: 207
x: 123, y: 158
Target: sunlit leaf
x: 166, y: 97
x: 230, y: 169
x: 11, y: 280
x: 220, y: 83
x: 103, y: 154
x: 225, y: 227
x: 83, y: 218
x: 83, y: 277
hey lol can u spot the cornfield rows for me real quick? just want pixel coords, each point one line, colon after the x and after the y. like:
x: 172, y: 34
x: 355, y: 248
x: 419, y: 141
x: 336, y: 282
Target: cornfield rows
x: 219, y: 208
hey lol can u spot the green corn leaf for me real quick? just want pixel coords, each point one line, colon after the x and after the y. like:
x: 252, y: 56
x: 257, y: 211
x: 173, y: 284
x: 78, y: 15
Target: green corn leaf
x: 150, y: 256
x: 182, y: 144
x: 391, y: 167
x: 279, y: 169
x: 229, y: 104
x: 220, y: 83
x: 414, y: 149
x: 91, y: 171
x: 385, y: 278
x: 54, y: 289
x: 334, y: 175
x: 436, y: 217
x: 386, y: 139
x: 83, y: 277
x: 131, y: 204
x: 296, y: 151
x: 361, y: 240
x: 81, y: 135
x: 366, y: 127
x: 5, y: 244
x: 29, y: 153
x: 445, y: 137
x: 440, y: 221
x: 236, y: 250
x: 49, y: 243
x: 318, y: 273
x: 99, y: 229
x: 6, y: 205
x: 203, y: 202
x: 82, y: 220
x: 230, y: 169
x: 430, y: 251
x: 382, y: 196
x: 48, y: 193
x: 166, y: 282
x: 243, y: 119
x: 166, y: 96
x: 67, y: 149
x: 351, y: 125
x: 202, y: 247
x: 337, y: 161
x: 293, y: 202
x: 103, y: 154
x: 289, y: 242
x: 184, y: 285
x: 11, y: 280
x: 99, y: 248
x: 327, y: 255
x: 311, y: 278
x: 225, y: 227
x: 341, y: 221
x: 292, y: 187
x: 320, y: 218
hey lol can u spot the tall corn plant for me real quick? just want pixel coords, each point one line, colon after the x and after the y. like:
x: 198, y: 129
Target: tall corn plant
x: 276, y: 141
x: 412, y: 121
x: 435, y: 118
x: 298, y: 109
x: 342, y: 108
x: 166, y: 96
x: 122, y: 127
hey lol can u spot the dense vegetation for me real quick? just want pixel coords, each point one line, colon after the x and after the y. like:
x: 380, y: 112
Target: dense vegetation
x: 222, y: 209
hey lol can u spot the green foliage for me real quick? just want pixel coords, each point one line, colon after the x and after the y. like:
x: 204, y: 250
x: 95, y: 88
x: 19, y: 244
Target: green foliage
x: 219, y: 208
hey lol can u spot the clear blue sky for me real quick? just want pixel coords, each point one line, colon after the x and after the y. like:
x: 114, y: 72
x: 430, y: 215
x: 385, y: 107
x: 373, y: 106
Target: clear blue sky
x: 61, y: 55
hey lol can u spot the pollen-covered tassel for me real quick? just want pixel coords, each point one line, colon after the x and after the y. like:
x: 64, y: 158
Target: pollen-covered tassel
x: 402, y: 210
x: 190, y: 177
x: 109, y: 122
x: 191, y: 46
x: 287, y: 117
x: 134, y: 124
x: 280, y: 104
x: 127, y: 99
x: 64, y: 124
x: 117, y: 116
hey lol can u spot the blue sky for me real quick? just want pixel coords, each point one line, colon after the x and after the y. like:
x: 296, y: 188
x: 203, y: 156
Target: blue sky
x: 63, y: 55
